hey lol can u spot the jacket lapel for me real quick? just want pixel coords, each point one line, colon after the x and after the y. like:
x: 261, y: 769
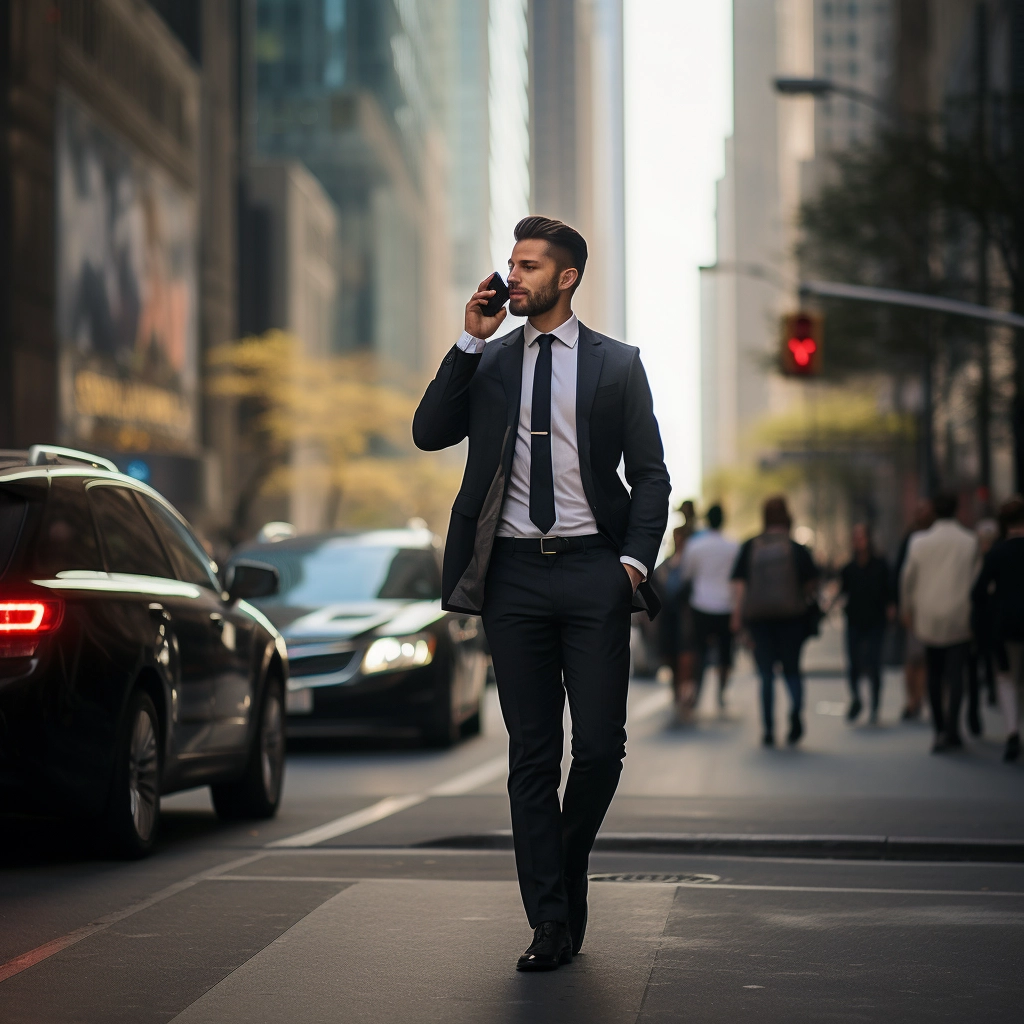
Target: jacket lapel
x: 588, y: 374
x: 510, y: 364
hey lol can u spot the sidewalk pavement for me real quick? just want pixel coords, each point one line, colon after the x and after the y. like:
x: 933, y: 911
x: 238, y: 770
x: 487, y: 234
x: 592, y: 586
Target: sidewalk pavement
x: 710, y: 785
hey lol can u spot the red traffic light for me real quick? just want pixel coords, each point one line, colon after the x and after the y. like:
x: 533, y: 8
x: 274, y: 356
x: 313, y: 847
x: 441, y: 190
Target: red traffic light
x: 800, y: 351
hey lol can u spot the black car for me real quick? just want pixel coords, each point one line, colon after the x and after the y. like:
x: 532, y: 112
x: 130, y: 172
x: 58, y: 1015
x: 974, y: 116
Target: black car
x: 369, y: 648
x: 126, y: 669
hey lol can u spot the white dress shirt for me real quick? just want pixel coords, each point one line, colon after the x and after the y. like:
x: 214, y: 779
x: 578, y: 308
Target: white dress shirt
x: 708, y: 559
x: 573, y: 517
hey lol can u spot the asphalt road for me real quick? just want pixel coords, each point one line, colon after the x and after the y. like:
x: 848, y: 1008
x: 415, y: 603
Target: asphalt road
x: 382, y: 892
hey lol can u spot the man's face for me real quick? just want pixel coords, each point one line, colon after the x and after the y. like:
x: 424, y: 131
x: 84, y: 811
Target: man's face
x: 534, y: 278
x: 860, y: 539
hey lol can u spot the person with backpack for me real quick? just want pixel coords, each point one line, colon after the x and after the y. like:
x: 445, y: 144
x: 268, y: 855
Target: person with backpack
x: 773, y: 580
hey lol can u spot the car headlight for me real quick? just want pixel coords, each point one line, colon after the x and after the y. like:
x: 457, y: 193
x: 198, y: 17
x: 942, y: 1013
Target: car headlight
x: 390, y: 653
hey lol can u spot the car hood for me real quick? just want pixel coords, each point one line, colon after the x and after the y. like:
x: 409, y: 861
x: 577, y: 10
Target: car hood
x: 351, y: 620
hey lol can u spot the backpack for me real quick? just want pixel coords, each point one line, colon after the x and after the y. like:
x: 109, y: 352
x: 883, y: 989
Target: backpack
x: 773, y: 589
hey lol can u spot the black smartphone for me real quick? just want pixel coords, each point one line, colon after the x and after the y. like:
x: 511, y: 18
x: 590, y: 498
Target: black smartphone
x: 498, y: 299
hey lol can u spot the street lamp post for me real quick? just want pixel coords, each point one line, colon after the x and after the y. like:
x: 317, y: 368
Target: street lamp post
x: 822, y: 88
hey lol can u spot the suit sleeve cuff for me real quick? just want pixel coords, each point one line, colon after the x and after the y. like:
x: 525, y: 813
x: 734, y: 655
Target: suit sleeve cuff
x: 626, y: 560
x: 474, y: 346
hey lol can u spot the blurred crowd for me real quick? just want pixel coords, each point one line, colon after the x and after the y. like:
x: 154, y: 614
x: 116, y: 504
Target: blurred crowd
x: 951, y: 607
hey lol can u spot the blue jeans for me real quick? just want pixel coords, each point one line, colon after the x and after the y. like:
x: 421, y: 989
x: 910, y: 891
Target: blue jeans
x: 779, y: 641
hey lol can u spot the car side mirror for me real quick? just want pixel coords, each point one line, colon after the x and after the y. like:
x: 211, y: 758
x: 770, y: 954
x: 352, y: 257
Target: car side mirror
x: 248, y: 580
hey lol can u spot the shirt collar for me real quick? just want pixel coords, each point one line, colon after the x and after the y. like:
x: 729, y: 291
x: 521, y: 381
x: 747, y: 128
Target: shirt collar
x: 568, y: 334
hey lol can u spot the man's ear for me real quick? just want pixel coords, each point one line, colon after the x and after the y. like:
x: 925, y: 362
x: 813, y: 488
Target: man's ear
x: 567, y: 278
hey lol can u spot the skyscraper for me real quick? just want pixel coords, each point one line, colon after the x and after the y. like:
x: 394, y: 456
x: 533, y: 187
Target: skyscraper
x: 576, y: 151
x: 363, y: 93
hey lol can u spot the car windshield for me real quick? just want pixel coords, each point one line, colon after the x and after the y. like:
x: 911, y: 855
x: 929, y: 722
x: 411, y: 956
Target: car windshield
x: 340, y: 571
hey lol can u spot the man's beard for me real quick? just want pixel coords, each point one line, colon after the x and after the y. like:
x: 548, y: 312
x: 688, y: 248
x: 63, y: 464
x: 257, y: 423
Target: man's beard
x: 537, y: 302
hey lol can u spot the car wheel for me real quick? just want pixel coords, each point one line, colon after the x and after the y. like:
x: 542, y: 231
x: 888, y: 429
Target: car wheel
x: 258, y: 793
x: 133, y: 809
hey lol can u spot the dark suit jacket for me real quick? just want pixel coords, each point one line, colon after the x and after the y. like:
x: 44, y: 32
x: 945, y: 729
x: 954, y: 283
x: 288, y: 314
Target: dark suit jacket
x: 479, y: 396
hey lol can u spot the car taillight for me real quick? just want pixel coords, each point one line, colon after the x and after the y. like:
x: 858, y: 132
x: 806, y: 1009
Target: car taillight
x: 21, y: 622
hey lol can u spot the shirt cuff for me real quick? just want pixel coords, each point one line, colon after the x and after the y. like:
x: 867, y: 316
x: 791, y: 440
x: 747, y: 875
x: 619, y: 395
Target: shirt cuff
x: 474, y: 346
x: 626, y: 560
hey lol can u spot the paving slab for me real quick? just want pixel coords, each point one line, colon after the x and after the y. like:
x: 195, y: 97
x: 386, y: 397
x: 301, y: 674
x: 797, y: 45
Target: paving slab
x: 836, y: 957
x: 441, y: 951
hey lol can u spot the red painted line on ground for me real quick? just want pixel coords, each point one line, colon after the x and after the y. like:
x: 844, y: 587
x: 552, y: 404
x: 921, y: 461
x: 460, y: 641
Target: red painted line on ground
x: 34, y: 956
x: 47, y: 949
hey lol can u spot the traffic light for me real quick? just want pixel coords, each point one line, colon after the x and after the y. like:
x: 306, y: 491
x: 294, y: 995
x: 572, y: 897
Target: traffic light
x: 800, y: 348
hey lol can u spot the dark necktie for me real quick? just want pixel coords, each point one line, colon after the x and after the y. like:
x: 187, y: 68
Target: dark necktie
x: 542, y: 484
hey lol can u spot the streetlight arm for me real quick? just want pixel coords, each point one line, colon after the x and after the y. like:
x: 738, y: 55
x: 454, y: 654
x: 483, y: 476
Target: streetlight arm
x: 914, y: 300
x: 822, y: 88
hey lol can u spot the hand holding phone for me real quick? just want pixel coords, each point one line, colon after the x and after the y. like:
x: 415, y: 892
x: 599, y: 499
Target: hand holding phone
x: 484, y: 312
x: 499, y: 298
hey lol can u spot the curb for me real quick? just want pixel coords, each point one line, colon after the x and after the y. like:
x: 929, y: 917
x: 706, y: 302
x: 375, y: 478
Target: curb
x: 904, y: 848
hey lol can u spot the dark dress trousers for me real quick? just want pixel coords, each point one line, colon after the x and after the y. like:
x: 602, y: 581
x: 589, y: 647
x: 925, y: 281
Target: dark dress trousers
x: 557, y: 623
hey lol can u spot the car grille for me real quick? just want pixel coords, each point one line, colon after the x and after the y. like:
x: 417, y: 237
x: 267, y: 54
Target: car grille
x: 319, y: 664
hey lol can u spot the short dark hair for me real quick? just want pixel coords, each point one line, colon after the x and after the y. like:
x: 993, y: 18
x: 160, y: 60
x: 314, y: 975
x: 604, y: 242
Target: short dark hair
x: 558, y: 236
x: 715, y: 517
x: 1011, y: 513
x: 945, y: 504
x: 776, y: 511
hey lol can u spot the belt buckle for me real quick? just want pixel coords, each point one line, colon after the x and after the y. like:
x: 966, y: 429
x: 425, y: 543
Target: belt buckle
x: 542, y: 549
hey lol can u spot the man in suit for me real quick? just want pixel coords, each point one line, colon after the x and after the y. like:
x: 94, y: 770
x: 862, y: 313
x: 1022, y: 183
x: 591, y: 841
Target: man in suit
x: 553, y: 551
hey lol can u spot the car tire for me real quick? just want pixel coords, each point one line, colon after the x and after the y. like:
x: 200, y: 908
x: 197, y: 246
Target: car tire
x: 258, y: 793
x: 133, y: 808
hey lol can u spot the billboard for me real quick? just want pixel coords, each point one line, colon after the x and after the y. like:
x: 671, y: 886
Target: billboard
x: 127, y: 297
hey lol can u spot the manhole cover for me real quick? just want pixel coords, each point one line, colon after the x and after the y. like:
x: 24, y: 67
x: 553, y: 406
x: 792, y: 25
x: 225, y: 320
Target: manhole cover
x: 671, y: 879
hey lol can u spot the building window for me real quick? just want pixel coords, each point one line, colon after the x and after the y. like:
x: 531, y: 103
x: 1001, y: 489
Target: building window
x: 828, y: 40
x: 853, y: 69
x: 828, y: 10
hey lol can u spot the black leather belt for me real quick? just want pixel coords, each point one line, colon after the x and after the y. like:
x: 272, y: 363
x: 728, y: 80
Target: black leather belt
x: 552, y: 545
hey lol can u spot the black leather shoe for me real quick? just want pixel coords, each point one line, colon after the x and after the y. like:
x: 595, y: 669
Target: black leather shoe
x: 576, y: 890
x: 551, y: 947
x: 854, y: 710
x: 1012, y: 751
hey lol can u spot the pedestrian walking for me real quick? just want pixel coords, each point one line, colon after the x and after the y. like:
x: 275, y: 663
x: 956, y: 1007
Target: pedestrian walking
x: 707, y: 566
x: 553, y: 551
x: 866, y: 584
x: 980, y: 663
x: 915, y: 673
x: 999, y: 595
x: 773, y: 580
x: 674, y: 629
x: 935, y: 597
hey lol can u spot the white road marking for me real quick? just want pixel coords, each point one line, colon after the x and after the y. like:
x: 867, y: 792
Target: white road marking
x: 350, y: 822
x: 474, y: 778
x: 461, y: 784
